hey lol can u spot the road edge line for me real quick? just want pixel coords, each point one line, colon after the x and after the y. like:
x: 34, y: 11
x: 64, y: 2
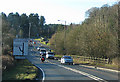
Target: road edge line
x: 40, y: 69
x: 42, y: 72
x: 111, y: 70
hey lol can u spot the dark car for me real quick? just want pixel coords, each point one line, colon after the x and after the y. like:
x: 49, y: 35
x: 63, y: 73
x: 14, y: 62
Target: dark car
x: 43, y: 52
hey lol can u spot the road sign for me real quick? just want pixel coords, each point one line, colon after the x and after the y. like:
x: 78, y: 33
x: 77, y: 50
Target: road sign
x: 20, y: 48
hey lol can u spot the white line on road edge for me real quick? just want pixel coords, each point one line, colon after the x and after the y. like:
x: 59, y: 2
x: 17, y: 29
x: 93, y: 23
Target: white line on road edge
x: 42, y: 73
x: 41, y: 70
x: 101, y: 68
x: 83, y: 73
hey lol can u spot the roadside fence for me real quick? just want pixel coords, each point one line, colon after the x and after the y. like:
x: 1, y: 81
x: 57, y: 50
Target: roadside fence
x: 91, y: 59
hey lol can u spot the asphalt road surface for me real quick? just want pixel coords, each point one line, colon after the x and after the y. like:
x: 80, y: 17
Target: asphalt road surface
x: 53, y: 70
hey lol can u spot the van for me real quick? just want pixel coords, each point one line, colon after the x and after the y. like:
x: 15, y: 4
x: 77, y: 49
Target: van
x: 50, y: 55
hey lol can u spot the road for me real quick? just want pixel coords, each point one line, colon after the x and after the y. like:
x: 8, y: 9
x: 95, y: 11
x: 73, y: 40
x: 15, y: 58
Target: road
x: 53, y: 70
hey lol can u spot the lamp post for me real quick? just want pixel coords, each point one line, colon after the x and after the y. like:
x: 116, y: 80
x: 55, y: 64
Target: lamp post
x: 65, y: 23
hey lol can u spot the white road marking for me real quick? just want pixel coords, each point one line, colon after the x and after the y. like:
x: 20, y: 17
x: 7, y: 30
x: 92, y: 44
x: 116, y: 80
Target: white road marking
x: 80, y: 72
x: 101, y: 68
x: 43, y: 79
x: 42, y: 73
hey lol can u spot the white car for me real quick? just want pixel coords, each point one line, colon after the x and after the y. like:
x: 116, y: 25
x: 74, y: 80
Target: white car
x: 50, y: 55
x: 40, y: 48
x: 67, y: 59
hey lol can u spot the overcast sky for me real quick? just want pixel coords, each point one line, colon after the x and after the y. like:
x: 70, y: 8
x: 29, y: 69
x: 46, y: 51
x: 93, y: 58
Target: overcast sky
x: 71, y: 11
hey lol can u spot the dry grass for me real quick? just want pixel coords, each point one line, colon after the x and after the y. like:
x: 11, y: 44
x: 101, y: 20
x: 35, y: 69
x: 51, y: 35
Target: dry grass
x: 115, y: 61
x: 7, y: 61
x: 22, y: 71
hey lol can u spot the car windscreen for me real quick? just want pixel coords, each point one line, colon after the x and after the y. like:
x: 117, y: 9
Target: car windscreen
x: 43, y: 50
x: 41, y: 47
x: 67, y: 57
x: 50, y: 53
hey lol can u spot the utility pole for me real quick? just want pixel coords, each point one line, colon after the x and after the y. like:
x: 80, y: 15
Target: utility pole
x: 29, y: 29
x: 65, y: 38
x: 65, y: 28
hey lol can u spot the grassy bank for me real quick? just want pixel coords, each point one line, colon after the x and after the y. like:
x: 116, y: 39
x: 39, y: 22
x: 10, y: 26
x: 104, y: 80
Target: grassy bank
x: 110, y: 66
x: 23, y: 70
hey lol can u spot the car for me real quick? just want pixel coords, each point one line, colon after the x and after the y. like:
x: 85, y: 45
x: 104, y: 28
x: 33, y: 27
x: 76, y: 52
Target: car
x: 30, y: 40
x: 67, y: 60
x: 50, y: 55
x: 34, y: 42
x: 40, y: 48
x: 46, y: 42
x: 30, y: 45
x: 43, y: 52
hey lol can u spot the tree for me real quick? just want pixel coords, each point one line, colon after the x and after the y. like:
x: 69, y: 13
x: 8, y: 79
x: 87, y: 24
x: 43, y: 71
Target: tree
x: 97, y: 36
x: 42, y: 20
x: 25, y: 25
x: 34, y: 21
x: 8, y: 34
x: 14, y: 20
x: 4, y: 17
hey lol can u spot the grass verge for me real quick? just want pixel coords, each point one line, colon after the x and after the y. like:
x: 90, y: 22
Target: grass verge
x: 58, y: 56
x: 22, y: 71
x: 110, y: 66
